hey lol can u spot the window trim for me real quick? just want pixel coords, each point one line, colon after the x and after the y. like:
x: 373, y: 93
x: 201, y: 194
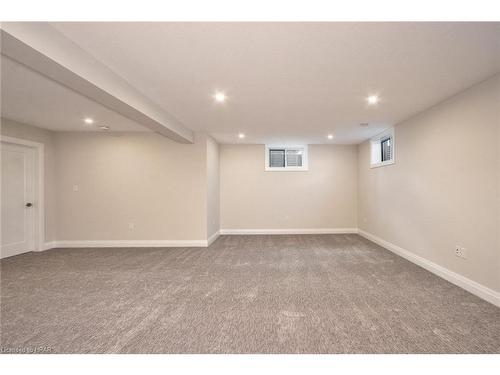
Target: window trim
x: 305, y: 158
x: 389, y: 133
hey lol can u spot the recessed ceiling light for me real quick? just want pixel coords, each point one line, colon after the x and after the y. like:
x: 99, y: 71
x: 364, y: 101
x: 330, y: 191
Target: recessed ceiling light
x: 330, y: 136
x: 372, y: 99
x: 220, y: 97
x: 104, y: 127
x: 241, y: 136
x: 88, y: 120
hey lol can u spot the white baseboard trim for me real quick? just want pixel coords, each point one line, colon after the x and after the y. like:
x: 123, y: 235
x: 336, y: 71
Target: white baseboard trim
x: 48, y: 245
x: 213, y: 237
x: 132, y: 243
x: 189, y: 243
x: 289, y: 231
x: 471, y: 286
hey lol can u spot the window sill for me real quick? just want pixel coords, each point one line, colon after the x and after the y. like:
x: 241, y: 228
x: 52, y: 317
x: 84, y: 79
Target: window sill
x: 376, y: 165
x: 286, y: 169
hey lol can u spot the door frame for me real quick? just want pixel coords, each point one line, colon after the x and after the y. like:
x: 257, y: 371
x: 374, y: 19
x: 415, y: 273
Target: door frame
x: 39, y: 182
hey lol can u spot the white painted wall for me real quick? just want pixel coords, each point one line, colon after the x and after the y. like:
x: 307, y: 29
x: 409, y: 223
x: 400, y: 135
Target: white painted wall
x: 322, y: 197
x: 444, y: 188
x: 157, y: 184
x: 212, y: 153
x: 166, y: 190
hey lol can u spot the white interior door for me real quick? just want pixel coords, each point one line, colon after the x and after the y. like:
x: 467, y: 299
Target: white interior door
x: 18, y: 192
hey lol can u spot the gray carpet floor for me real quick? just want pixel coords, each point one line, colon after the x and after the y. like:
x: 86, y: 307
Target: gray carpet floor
x: 243, y: 294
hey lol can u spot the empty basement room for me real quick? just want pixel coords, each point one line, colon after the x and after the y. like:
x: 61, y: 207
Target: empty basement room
x: 250, y: 188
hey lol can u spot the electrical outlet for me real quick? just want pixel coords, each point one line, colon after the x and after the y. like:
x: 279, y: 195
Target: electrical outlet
x: 76, y: 187
x: 461, y: 252
x: 131, y: 226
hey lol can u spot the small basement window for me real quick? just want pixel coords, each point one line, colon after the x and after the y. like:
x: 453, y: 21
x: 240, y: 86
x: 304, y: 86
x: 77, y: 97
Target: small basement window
x: 382, y: 149
x: 286, y: 158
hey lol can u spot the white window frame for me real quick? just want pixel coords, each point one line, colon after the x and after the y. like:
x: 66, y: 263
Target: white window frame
x: 305, y: 158
x: 375, y: 151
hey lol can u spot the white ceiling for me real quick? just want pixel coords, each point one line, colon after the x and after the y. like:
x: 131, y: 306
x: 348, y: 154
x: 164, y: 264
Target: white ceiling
x: 34, y: 99
x: 286, y: 82
x: 294, y: 82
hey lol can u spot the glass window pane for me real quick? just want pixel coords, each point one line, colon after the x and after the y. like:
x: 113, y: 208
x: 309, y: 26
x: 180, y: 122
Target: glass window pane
x: 386, y: 149
x: 277, y: 158
x: 294, y: 158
